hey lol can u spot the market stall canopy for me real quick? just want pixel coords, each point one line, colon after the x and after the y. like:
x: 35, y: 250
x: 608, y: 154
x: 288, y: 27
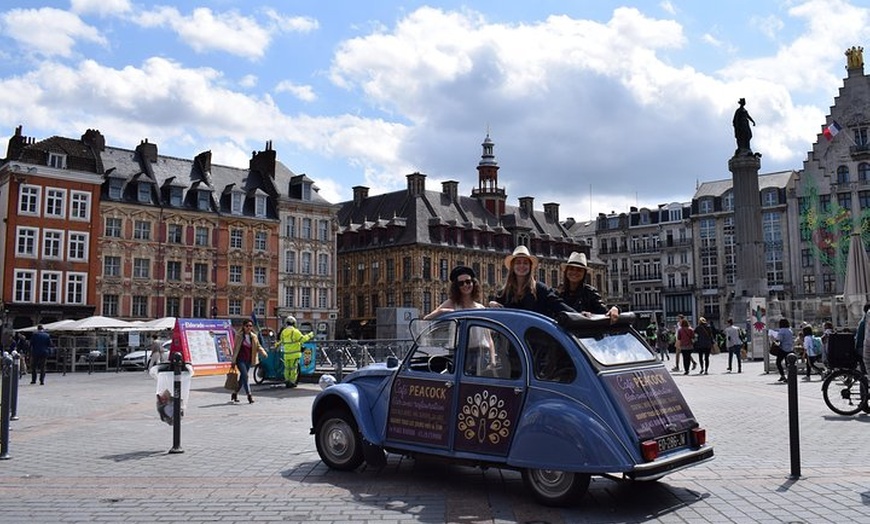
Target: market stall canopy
x: 96, y: 322
x: 857, y: 286
x: 158, y: 324
x: 51, y: 326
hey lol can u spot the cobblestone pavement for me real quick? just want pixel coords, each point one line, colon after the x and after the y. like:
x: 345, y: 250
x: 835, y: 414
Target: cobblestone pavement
x: 90, y: 448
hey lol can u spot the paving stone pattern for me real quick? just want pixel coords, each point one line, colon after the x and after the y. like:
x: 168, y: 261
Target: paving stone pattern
x: 90, y: 448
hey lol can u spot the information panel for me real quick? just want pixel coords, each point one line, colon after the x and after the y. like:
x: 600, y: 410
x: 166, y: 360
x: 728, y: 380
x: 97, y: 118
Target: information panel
x: 205, y: 343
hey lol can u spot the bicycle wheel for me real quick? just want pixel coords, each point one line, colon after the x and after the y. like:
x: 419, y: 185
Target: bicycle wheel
x: 844, y: 391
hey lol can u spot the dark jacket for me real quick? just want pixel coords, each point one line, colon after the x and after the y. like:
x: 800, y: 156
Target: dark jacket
x: 585, y: 298
x: 547, y: 302
x: 40, y: 344
x: 705, y: 337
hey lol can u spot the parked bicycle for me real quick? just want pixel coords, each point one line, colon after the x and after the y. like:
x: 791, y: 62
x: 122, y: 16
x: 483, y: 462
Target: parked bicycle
x: 845, y: 389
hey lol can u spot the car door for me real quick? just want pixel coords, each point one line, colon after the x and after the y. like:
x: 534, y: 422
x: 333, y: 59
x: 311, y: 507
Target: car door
x: 491, y: 389
x: 423, y: 396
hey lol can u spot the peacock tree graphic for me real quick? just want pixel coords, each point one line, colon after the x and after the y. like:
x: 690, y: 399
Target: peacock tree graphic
x: 829, y: 226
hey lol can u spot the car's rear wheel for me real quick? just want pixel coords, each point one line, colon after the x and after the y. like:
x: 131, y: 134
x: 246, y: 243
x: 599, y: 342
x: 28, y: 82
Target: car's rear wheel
x: 338, y: 441
x: 259, y: 374
x: 556, y: 488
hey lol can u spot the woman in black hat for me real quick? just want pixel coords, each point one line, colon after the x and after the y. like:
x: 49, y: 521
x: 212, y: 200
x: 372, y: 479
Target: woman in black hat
x: 577, y: 293
x: 464, y: 292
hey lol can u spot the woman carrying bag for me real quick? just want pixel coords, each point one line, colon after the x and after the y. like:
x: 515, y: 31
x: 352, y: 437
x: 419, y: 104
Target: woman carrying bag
x: 246, y: 354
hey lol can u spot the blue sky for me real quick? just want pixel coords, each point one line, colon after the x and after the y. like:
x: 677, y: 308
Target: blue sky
x: 596, y: 105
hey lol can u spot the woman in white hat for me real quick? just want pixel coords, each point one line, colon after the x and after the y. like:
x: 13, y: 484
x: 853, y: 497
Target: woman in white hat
x: 523, y: 291
x: 580, y: 295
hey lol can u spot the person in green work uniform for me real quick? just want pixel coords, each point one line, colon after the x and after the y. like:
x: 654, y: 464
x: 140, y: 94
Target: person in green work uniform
x: 291, y: 339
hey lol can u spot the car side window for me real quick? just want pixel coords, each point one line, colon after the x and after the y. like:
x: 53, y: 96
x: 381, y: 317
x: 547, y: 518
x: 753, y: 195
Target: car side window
x: 490, y: 353
x: 434, y: 349
x: 550, y: 361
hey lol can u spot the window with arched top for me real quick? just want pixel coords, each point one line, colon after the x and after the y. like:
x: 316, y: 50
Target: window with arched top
x: 842, y: 175
x: 863, y: 172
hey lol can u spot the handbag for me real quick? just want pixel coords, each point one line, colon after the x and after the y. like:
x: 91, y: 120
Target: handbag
x: 715, y: 350
x: 232, y: 381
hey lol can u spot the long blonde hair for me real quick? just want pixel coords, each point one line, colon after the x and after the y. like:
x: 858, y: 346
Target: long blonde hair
x: 512, y: 289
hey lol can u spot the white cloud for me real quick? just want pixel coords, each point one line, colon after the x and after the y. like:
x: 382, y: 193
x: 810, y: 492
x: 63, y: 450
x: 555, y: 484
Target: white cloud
x: 668, y: 7
x: 204, y: 30
x: 101, y: 7
x: 248, y: 81
x: 302, y: 92
x: 769, y: 26
x: 47, y: 31
x: 292, y: 24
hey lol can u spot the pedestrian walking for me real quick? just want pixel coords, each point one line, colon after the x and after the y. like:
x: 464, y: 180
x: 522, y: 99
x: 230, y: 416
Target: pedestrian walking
x: 734, y: 344
x: 40, y: 349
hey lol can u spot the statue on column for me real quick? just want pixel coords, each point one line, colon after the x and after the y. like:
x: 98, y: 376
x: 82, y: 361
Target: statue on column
x: 742, y: 131
x: 855, y: 58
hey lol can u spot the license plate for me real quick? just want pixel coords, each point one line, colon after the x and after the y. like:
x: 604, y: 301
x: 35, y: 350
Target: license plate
x: 677, y: 440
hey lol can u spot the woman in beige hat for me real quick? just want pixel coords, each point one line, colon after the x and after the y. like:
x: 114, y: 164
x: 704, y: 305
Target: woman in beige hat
x: 580, y: 295
x: 523, y: 291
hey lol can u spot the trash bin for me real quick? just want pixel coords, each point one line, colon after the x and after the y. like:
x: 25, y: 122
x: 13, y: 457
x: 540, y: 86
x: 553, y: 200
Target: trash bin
x: 166, y: 387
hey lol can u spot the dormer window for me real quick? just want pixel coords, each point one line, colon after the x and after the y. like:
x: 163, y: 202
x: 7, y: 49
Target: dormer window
x: 705, y: 205
x: 115, y: 187
x: 260, y: 206
x: 144, y: 193
x: 306, y: 191
x: 57, y: 160
x: 770, y: 198
x: 176, y: 196
x: 203, y: 200
x: 728, y: 201
x: 236, y: 201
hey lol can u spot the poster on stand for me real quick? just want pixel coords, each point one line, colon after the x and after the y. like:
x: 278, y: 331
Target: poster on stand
x: 205, y: 343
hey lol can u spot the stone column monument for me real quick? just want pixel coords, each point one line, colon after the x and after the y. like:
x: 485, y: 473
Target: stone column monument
x: 751, y: 277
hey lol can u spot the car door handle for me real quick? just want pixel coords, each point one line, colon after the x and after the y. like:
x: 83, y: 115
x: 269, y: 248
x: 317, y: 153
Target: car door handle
x: 448, y: 384
x: 518, y: 391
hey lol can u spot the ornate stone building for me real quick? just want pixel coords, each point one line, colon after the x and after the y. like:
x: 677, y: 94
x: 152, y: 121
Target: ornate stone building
x: 164, y: 236
x: 397, y: 249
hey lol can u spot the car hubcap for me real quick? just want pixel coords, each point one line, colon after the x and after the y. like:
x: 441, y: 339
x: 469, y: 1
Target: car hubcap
x: 338, y: 439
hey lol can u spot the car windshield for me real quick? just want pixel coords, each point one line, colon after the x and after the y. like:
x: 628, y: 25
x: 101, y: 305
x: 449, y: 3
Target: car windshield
x: 611, y: 348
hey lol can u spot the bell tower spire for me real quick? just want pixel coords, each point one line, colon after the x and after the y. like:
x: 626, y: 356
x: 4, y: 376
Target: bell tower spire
x: 490, y: 195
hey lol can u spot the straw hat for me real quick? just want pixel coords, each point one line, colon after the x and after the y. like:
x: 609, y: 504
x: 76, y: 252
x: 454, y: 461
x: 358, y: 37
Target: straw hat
x: 520, y: 251
x: 576, y: 260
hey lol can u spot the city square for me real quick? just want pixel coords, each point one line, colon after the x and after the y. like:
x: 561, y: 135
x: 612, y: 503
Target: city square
x: 90, y: 447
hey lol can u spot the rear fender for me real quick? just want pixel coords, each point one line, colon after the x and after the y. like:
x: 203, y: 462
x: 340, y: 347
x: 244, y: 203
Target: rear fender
x: 346, y: 396
x: 565, y: 437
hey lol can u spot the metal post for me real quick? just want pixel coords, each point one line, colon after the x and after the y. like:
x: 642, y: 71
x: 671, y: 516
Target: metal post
x: 793, y: 422
x: 177, y: 364
x: 13, y: 401
x: 5, y: 397
x: 339, y: 362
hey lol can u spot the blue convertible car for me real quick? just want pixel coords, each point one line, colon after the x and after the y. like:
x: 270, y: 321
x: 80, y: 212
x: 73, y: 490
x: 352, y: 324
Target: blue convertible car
x: 559, y: 400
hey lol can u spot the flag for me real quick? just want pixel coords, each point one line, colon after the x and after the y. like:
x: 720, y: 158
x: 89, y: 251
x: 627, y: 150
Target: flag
x: 831, y: 131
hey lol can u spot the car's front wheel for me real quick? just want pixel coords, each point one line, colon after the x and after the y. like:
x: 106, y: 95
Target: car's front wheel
x: 338, y: 442
x: 556, y: 488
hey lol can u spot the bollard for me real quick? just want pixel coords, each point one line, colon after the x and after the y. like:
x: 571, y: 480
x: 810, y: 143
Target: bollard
x: 793, y: 422
x: 339, y: 363
x: 5, y: 394
x: 177, y: 364
x: 13, y: 401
